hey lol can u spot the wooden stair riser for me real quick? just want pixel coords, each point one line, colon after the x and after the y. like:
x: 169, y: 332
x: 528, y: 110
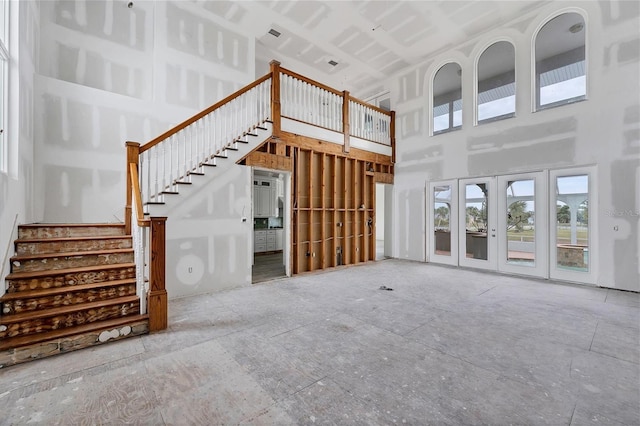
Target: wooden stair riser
x: 41, y: 247
x: 65, y: 262
x: 109, y: 273
x: 69, y: 298
x: 71, y: 319
x: 54, y: 346
x: 62, y: 231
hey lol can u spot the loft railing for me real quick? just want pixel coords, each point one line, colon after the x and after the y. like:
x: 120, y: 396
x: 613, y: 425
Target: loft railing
x: 310, y: 102
x: 157, y: 167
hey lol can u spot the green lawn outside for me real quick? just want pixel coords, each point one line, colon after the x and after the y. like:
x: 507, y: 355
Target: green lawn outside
x: 564, y: 235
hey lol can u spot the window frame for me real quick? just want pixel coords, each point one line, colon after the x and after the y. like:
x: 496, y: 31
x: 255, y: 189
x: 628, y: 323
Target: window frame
x: 537, y: 71
x: 489, y: 82
x: 447, y: 99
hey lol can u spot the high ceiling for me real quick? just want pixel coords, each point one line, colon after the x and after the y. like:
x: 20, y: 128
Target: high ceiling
x: 368, y: 39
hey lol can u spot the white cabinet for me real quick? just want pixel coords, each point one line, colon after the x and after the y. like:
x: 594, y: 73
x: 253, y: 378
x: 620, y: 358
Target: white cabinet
x: 268, y: 240
x: 271, y: 240
x: 259, y: 241
x: 265, y: 201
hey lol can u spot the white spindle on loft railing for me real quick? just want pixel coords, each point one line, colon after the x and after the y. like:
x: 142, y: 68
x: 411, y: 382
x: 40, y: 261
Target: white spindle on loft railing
x: 368, y: 123
x: 184, y: 151
x: 309, y: 103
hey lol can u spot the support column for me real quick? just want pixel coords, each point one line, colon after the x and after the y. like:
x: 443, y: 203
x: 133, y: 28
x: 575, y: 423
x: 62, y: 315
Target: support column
x: 157, y: 299
x: 345, y: 121
x: 275, y: 97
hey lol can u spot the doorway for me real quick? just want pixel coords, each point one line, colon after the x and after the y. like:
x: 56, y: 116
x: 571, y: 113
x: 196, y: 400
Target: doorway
x: 536, y: 224
x: 383, y: 222
x: 270, y: 220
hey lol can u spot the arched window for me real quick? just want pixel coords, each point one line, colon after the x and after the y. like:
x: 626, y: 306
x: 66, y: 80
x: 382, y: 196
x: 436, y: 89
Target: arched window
x: 560, y: 61
x: 496, y: 82
x: 447, y: 98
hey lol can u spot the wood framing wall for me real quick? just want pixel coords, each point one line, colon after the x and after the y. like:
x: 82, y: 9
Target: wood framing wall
x: 333, y: 199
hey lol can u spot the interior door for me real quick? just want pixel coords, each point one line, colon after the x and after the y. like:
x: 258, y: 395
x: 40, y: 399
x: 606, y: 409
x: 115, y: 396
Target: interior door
x: 477, y: 226
x: 522, y: 224
x: 443, y: 222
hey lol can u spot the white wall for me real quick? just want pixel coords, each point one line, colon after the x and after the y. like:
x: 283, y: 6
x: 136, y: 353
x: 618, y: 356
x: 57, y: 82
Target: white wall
x: 16, y: 186
x: 603, y: 130
x: 109, y: 74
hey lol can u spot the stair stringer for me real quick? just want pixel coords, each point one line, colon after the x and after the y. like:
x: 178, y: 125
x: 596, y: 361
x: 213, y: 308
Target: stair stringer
x: 189, y: 194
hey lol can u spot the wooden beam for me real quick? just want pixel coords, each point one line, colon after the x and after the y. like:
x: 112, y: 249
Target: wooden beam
x: 268, y: 161
x: 379, y: 177
x: 332, y: 148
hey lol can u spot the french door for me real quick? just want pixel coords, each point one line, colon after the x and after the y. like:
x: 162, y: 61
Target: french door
x: 477, y: 230
x: 443, y: 222
x: 522, y: 224
x: 572, y: 254
x: 537, y: 224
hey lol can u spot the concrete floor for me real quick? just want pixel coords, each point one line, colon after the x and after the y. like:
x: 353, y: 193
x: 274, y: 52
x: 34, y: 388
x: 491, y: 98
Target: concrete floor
x: 446, y: 346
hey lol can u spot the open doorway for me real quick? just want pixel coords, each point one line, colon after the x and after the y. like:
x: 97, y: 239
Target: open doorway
x: 269, y: 225
x: 383, y: 221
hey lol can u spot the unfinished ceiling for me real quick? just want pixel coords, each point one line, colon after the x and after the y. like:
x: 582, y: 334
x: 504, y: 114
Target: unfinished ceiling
x: 369, y: 40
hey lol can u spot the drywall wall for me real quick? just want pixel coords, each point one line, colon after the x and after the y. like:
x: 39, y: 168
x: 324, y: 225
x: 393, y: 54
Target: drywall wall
x: 110, y: 73
x: 602, y: 131
x: 16, y: 186
x: 209, y: 247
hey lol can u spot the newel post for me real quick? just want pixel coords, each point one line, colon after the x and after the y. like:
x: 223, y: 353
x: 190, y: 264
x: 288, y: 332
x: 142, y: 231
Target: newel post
x: 275, y: 97
x: 157, y: 298
x: 133, y: 152
x: 346, y: 126
x: 392, y: 130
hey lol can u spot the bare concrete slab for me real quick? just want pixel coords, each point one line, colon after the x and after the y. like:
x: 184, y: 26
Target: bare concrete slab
x: 445, y: 346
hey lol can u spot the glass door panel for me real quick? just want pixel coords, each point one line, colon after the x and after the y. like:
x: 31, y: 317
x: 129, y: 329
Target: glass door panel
x: 522, y: 224
x: 477, y: 218
x: 572, y: 254
x: 443, y: 221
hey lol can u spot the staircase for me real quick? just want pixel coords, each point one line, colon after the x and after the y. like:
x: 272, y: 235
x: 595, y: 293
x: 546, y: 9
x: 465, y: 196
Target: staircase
x: 71, y: 286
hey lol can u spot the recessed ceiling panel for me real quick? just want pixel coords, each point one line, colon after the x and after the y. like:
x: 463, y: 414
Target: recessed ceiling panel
x: 352, y: 40
x: 308, y: 13
x: 230, y: 10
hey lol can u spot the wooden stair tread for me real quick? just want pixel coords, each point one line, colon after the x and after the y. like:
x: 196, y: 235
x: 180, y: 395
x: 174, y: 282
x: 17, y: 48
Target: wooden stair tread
x: 28, y: 294
x: 24, y: 257
x: 65, y: 239
x: 18, y: 341
x: 79, y: 269
x: 31, y: 315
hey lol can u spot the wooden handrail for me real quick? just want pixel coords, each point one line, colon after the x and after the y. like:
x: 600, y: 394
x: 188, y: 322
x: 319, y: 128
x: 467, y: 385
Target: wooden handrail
x: 133, y: 153
x: 312, y: 82
x: 137, y: 196
x: 198, y: 116
x: 373, y: 107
